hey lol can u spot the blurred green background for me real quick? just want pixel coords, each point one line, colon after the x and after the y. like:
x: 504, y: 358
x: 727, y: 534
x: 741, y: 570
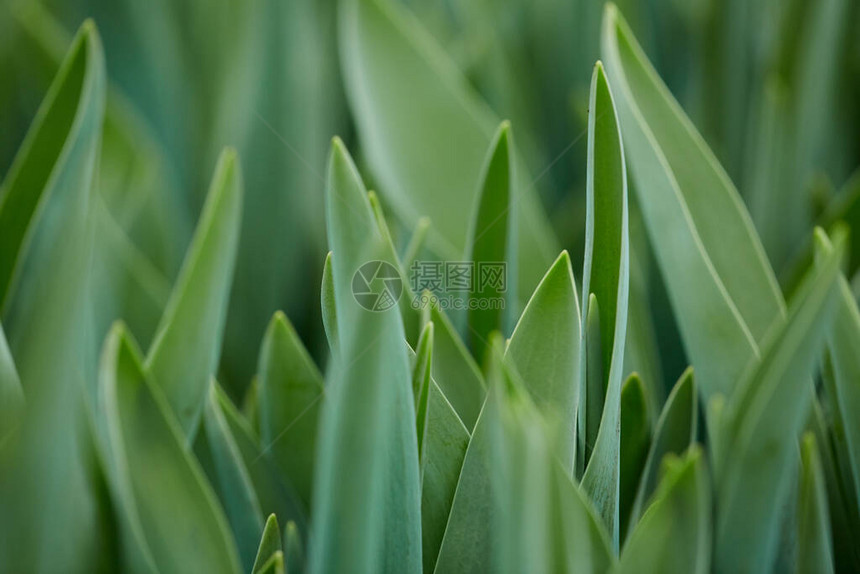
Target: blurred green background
x: 773, y: 85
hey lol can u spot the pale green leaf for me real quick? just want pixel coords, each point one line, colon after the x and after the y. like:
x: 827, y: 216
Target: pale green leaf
x: 165, y: 502
x: 11, y: 395
x: 453, y: 368
x: 294, y: 557
x: 606, y: 275
x: 291, y: 396
x: 674, y: 535
x: 722, y: 289
x: 370, y: 522
x: 545, y: 350
x: 761, y: 423
x: 392, y: 67
x: 187, y: 344
x: 47, y: 471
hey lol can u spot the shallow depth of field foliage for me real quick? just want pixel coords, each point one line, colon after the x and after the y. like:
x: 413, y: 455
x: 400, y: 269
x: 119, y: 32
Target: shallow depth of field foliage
x: 189, y: 383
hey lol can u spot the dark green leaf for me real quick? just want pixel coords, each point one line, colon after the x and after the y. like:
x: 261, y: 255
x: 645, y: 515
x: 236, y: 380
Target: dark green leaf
x: 635, y: 443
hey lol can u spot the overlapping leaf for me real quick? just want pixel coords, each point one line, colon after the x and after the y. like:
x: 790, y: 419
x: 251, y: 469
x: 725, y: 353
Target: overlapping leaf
x: 370, y: 522
x: 393, y: 69
x: 184, y: 353
x: 720, y: 284
x: 606, y: 276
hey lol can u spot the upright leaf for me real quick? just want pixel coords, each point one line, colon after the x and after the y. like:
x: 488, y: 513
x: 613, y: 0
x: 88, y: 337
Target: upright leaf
x: 454, y: 368
x: 489, y: 243
x: 634, y: 447
x: 720, y: 284
x: 814, y: 549
x: 270, y: 543
x: 291, y: 396
x: 843, y: 340
x: 606, y: 275
x: 47, y: 471
x: 761, y: 423
x: 371, y: 522
x: 234, y: 484
x: 166, y: 505
x: 674, y: 535
x: 184, y: 353
x: 442, y: 444
x: 544, y: 349
x: 392, y: 68
x: 674, y: 434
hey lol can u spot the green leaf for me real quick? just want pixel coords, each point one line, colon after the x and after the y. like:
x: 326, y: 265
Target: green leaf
x: 371, y: 522
x: 843, y: 340
x: 606, y: 275
x: 542, y: 522
x: 393, y: 67
x: 411, y: 315
x: 674, y: 535
x: 270, y: 543
x: 545, y: 350
x: 443, y: 440
x: 275, y: 494
x: 761, y: 423
x: 591, y: 408
x: 165, y: 503
x: 275, y: 564
x: 675, y: 433
x: 814, y: 551
x: 185, y: 350
x: 293, y: 554
x: 47, y: 471
x: 453, y: 368
x: 721, y: 287
x: 234, y: 484
x: 329, y: 312
x: 634, y: 447
x: 291, y: 396
x: 11, y: 395
x: 489, y: 242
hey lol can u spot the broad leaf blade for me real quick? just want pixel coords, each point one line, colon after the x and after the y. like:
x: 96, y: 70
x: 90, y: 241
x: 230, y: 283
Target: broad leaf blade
x: 674, y: 536
x: 545, y: 350
x: 45, y: 252
x: 165, y: 502
x: 370, y: 523
x: 721, y: 286
x: 393, y: 68
x: 761, y: 423
x: 185, y: 350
